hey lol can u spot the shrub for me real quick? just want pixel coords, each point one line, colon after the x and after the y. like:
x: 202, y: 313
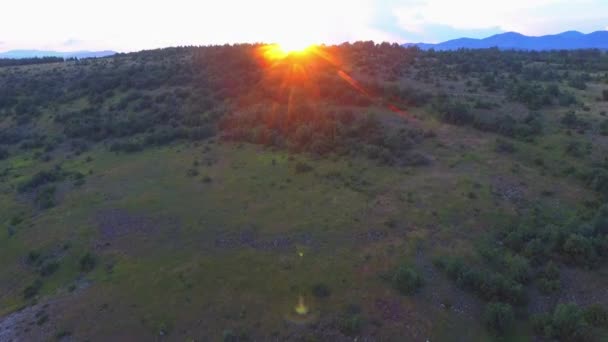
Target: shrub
x: 567, y: 323
x: 407, y: 280
x: 573, y: 121
x: 49, y: 268
x: 350, y: 325
x: 458, y: 113
x: 303, y: 167
x: 41, y: 178
x: 503, y: 146
x: 548, y: 286
x: 596, y: 315
x: 548, y: 281
x: 499, y: 317
x: 600, y: 221
x: 88, y: 262
x: 45, y: 198
x: 321, y: 290
x: 518, y: 268
x: 603, y: 128
x: 32, y: 290
x: 579, y: 249
x: 605, y: 94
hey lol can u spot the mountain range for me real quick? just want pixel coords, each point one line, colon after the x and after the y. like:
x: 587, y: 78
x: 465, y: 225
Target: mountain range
x: 16, y: 54
x: 569, y: 40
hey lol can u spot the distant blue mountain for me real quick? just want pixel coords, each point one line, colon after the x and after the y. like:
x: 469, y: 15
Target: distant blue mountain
x: 17, y: 54
x: 570, y: 40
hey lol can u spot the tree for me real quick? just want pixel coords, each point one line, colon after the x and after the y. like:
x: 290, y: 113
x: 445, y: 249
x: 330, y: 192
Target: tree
x: 407, y: 280
x: 568, y: 323
x: 498, y: 317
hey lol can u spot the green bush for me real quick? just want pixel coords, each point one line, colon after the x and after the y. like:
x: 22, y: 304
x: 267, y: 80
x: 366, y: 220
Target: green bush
x: 321, y: 290
x: 49, y: 268
x: 32, y: 290
x: 499, y: 317
x: 41, y: 178
x: 45, y: 198
x: 350, y: 325
x: 596, y: 315
x: 3, y: 153
x: 503, y: 146
x: 518, y: 268
x: 568, y: 324
x: 407, y: 280
x: 88, y: 262
x: 548, y: 281
x: 580, y: 250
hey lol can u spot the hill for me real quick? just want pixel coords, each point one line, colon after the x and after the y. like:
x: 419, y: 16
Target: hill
x: 18, y: 54
x: 570, y: 40
x: 354, y: 192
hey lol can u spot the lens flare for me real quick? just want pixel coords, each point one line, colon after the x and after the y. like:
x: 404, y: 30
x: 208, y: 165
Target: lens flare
x: 301, y: 309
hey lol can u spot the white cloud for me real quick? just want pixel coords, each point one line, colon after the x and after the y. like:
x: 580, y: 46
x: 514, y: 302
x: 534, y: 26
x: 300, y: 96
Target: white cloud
x: 128, y: 25
x: 526, y: 16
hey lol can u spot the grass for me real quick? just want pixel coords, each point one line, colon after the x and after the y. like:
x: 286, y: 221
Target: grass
x: 347, y: 221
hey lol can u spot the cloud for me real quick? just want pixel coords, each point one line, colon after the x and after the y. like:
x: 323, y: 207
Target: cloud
x: 533, y: 17
x: 133, y: 25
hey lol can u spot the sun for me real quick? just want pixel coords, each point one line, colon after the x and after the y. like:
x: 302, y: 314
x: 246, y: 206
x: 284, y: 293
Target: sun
x: 280, y: 51
x: 295, y: 46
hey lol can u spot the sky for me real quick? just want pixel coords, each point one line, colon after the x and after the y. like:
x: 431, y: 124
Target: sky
x: 131, y: 25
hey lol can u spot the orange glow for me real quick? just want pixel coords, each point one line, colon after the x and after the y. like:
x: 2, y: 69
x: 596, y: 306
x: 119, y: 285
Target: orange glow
x: 275, y: 52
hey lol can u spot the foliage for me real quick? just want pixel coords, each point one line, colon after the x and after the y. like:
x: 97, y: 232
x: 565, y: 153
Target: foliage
x: 321, y: 290
x: 88, y: 262
x: 499, y: 317
x: 407, y: 280
x: 566, y: 323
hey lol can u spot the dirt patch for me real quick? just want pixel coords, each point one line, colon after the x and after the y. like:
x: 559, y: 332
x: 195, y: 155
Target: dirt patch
x: 249, y: 238
x: 578, y: 286
x: 509, y: 191
x: 115, y: 225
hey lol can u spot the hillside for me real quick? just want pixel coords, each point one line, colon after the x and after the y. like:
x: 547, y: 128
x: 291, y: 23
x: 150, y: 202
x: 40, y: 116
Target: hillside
x: 360, y: 191
x: 571, y: 40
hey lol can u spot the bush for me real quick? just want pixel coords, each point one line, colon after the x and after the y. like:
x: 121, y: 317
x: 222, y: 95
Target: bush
x: 503, y: 146
x: 49, y: 268
x: 573, y: 121
x: 350, y: 325
x: 604, y: 127
x: 3, y: 153
x: 605, y: 94
x: 567, y: 323
x: 458, y: 113
x: 518, y: 268
x: 303, y: 167
x: 407, y: 280
x: 499, y: 317
x: 321, y: 290
x: 580, y: 250
x: 548, y: 281
x: 88, y: 262
x: 596, y: 315
x: 32, y: 290
x: 45, y: 198
x: 41, y: 178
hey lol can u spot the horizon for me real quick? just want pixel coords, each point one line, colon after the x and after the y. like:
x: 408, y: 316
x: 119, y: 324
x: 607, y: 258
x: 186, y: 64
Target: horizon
x: 70, y: 27
x: 267, y: 43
